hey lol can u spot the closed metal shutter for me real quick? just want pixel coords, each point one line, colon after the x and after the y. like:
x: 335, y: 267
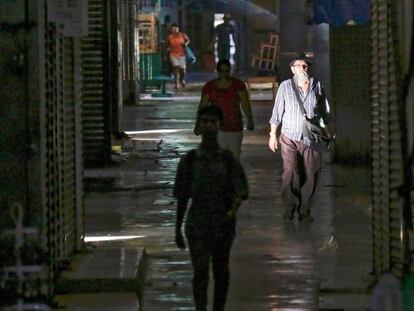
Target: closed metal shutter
x: 95, y: 90
x: 128, y: 22
x: 61, y: 157
x: 390, y: 239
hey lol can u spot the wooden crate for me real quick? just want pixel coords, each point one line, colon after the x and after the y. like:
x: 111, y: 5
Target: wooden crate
x: 266, y: 59
x: 262, y: 83
x: 263, y: 63
x: 273, y: 39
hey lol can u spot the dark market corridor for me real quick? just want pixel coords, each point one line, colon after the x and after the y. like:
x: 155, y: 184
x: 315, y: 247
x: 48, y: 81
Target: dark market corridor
x: 275, y: 266
x: 98, y: 105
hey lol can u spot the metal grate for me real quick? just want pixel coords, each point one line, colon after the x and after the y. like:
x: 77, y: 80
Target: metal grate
x: 95, y: 113
x: 61, y: 144
x: 389, y: 229
x: 127, y: 19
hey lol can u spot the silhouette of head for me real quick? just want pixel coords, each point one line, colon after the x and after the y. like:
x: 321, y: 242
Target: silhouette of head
x: 174, y: 28
x: 210, y: 118
x: 224, y: 68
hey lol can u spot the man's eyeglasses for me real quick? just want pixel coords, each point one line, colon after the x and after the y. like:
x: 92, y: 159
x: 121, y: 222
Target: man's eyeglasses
x: 301, y: 65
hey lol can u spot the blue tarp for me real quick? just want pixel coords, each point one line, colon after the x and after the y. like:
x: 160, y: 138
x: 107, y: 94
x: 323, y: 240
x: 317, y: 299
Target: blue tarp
x: 339, y: 12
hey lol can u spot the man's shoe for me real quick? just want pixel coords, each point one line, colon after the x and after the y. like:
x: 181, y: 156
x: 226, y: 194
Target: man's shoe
x: 306, y: 218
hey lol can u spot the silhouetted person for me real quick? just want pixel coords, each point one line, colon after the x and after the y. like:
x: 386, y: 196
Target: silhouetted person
x: 301, y: 164
x: 216, y: 183
x: 222, y: 36
x: 230, y: 94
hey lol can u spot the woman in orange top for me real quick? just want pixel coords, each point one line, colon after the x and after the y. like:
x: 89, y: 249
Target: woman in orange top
x: 176, y: 41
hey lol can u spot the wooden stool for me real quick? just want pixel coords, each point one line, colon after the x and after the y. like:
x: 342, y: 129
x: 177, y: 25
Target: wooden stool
x: 263, y: 83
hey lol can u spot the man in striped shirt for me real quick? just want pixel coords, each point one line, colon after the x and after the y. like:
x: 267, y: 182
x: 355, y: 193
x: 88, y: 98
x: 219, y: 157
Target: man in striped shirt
x: 301, y: 164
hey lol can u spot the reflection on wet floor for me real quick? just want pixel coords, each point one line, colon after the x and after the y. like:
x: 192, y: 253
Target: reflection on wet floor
x: 274, y: 265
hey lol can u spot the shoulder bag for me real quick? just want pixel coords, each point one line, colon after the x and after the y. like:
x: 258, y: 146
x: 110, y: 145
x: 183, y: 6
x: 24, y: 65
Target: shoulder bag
x: 189, y: 54
x: 314, y: 136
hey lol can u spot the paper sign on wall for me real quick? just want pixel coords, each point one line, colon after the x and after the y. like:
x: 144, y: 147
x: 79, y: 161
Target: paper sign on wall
x: 72, y: 14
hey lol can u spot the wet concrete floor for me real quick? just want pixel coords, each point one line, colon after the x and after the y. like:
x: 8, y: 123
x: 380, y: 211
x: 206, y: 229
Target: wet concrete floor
x: 324, y: 265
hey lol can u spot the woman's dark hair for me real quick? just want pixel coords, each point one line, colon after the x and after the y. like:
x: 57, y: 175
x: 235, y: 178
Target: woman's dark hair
x: 223, y: 62
x: 174, y: 25
x: 211, y: 110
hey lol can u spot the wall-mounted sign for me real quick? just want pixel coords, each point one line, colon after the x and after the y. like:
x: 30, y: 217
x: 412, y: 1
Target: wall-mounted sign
x: 72, y: 14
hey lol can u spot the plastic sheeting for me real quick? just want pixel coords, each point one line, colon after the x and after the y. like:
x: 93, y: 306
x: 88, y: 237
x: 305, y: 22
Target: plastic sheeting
x: 338, y: 12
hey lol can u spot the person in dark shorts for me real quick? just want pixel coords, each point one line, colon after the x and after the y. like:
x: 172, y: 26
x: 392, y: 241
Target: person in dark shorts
x: 215, y: 181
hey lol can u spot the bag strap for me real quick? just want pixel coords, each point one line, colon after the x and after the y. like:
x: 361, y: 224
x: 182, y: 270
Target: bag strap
x: 302, y: 108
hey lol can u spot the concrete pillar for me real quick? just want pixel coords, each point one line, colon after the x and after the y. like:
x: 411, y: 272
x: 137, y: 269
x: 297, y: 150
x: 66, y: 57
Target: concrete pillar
x: 351, y: 92
x: 296, y: 37
x: 294, y: 34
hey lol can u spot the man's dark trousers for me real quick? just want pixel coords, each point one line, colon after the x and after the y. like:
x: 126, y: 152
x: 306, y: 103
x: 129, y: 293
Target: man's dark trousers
x: 223, y: 51
x: 214, y: 245
x: 301, y: 170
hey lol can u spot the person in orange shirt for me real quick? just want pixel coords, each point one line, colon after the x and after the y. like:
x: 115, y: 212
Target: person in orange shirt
x: 176, y: 41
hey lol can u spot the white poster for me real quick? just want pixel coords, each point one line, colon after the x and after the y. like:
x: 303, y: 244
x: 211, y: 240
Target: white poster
x: 72, y: 14
x: 78, y: 27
